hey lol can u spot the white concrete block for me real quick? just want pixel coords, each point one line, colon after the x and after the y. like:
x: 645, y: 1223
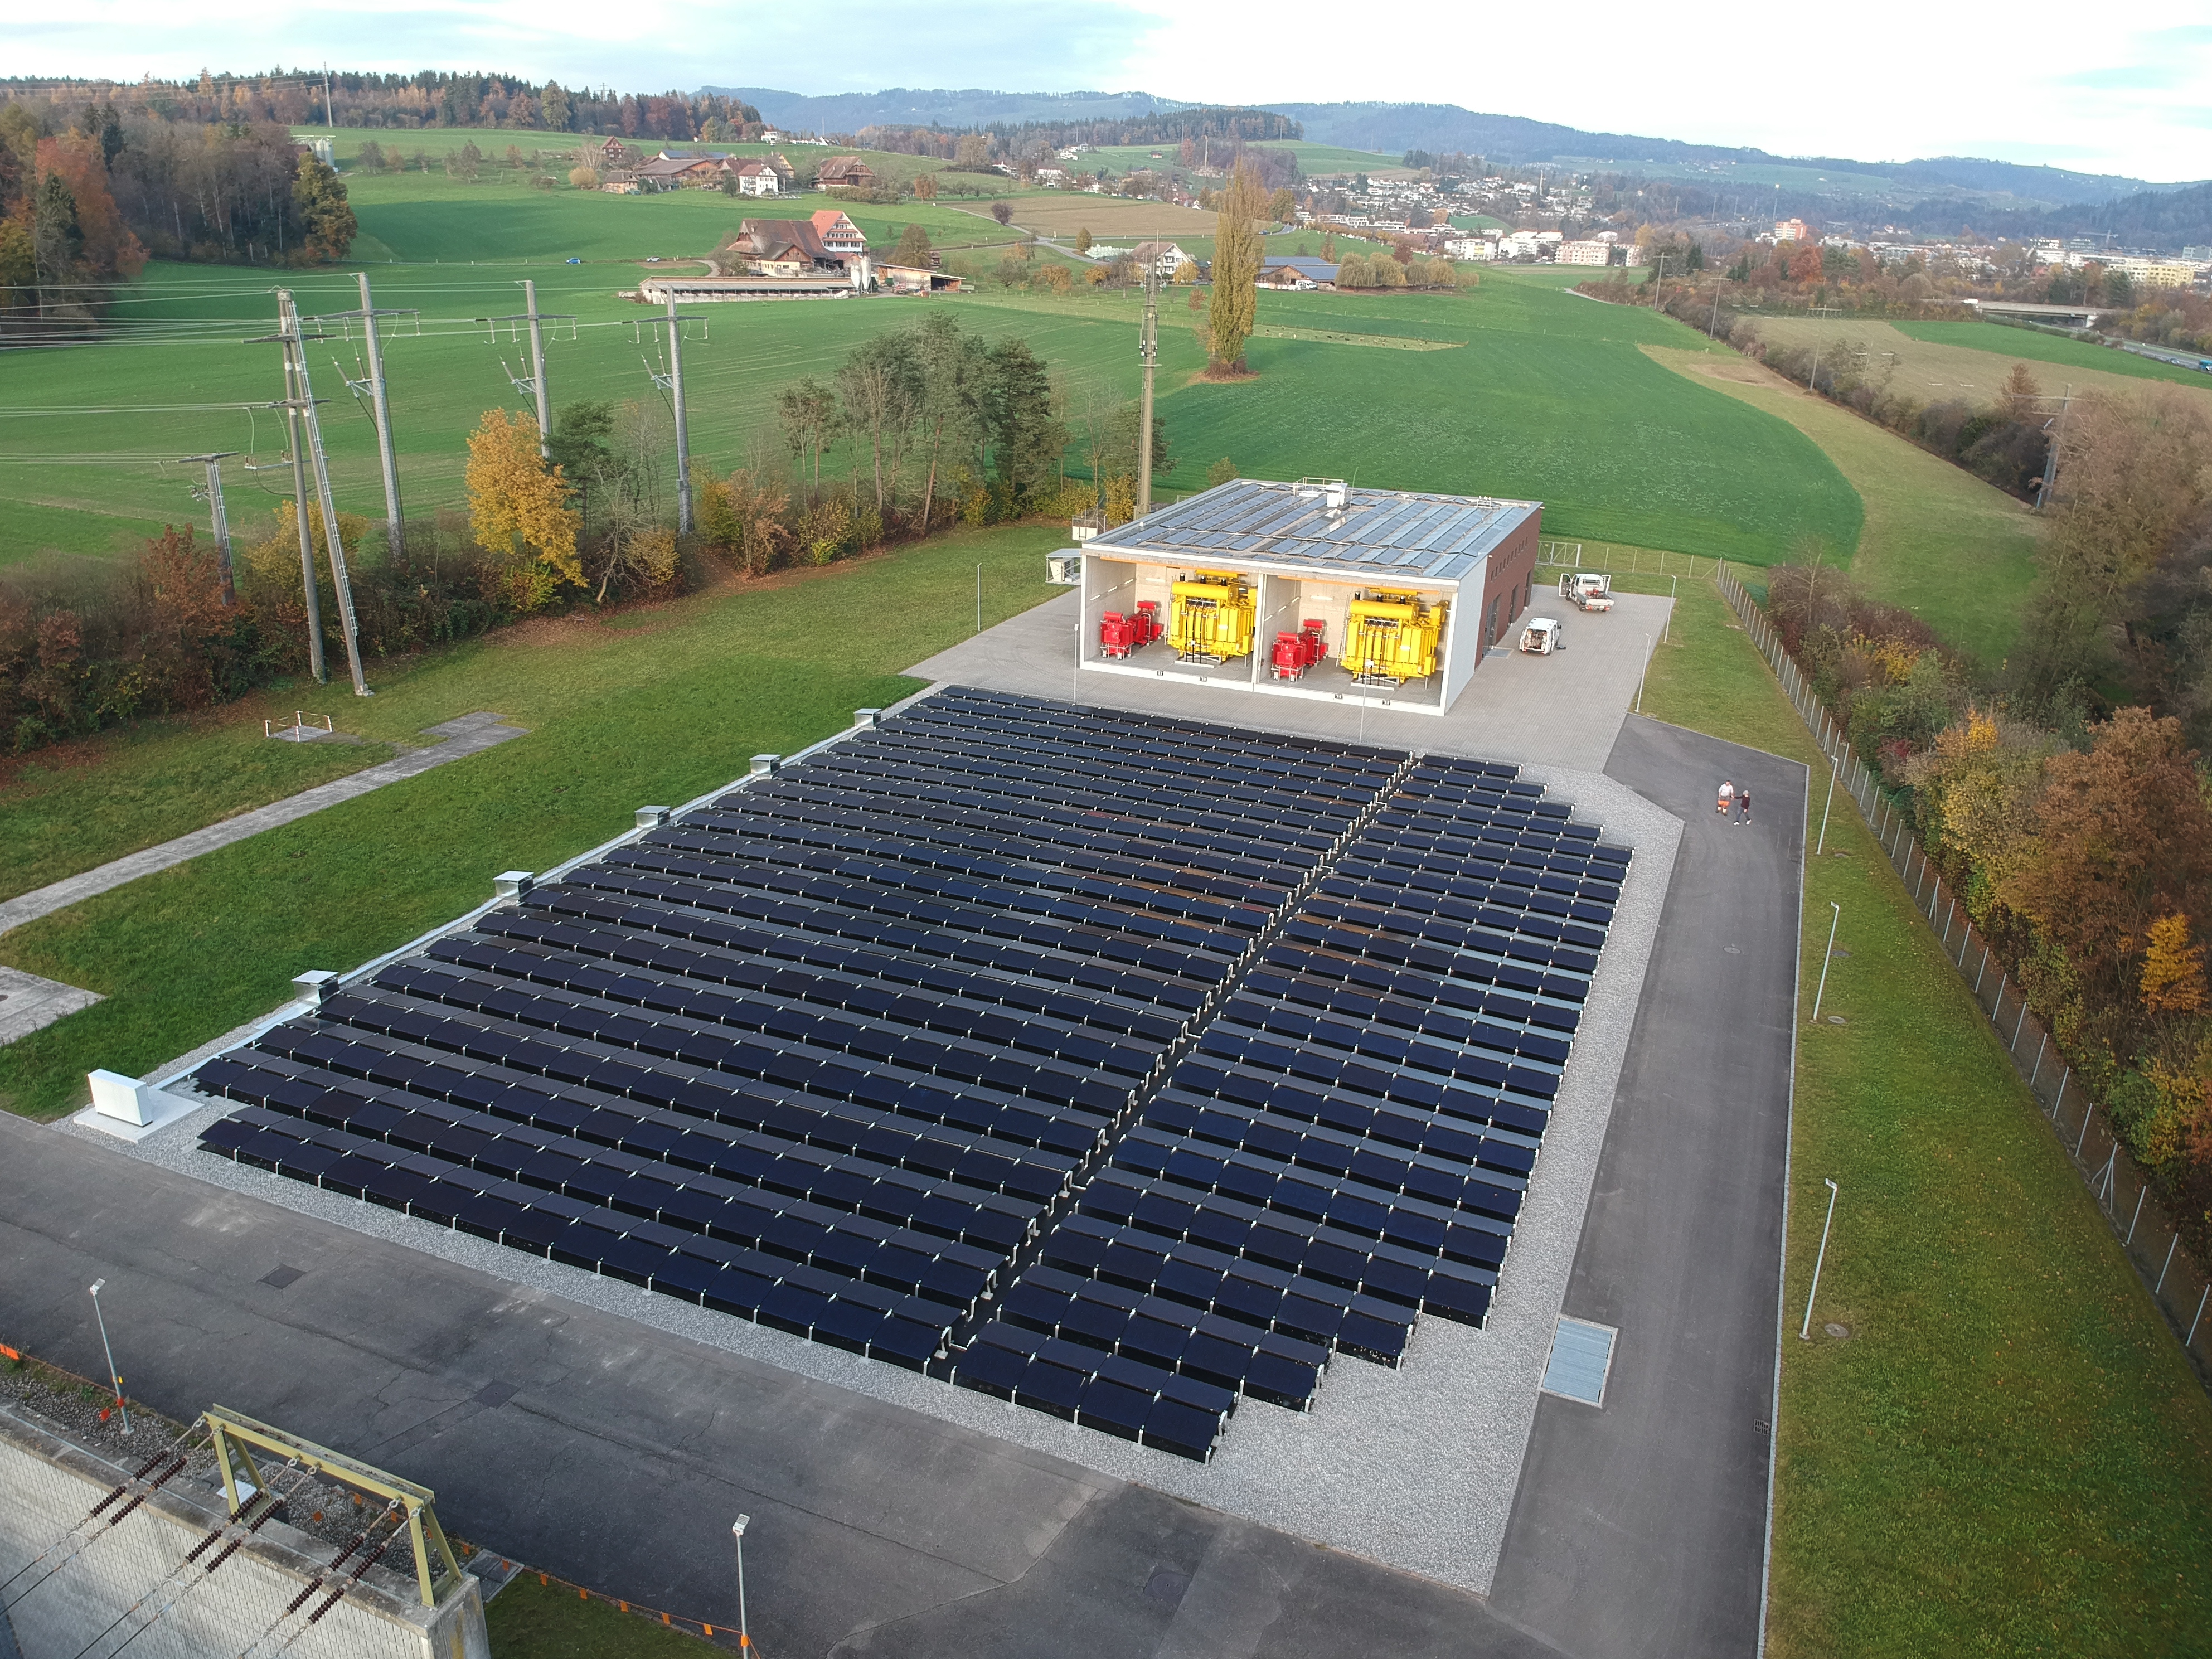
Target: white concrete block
x: 122, y: 1097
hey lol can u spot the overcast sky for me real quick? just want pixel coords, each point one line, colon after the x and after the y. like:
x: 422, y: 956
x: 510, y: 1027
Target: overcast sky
x: 1887, y: 80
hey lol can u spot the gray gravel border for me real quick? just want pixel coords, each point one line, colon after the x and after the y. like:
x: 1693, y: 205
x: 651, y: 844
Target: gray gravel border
x: 1415, y: 1467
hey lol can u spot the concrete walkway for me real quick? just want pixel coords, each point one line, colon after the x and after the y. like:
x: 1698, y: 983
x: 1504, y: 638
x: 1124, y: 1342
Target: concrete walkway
x: 470, y: 734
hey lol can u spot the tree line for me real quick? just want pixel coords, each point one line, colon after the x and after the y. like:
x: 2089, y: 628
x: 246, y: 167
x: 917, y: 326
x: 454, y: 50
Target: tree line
x: 2065, y: 791
x: 84, y: 201
x: 429, y: 98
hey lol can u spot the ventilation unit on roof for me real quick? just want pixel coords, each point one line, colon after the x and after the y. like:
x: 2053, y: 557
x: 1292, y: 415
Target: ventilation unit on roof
x: 1332, y: 491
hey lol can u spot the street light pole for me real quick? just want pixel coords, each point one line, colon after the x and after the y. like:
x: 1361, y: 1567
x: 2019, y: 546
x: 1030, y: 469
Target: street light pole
x: 114, y: 1380
x: 738, y: 1532
x: 1805, y: 1331
x: 1833, y: 923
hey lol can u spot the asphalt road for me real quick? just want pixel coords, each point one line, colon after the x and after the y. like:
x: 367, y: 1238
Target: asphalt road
x: 622, y: 1453
x: 1640, y: 1527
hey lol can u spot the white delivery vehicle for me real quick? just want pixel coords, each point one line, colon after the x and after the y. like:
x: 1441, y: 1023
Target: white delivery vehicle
x: 1542, y: 637
x: 1590, y: 589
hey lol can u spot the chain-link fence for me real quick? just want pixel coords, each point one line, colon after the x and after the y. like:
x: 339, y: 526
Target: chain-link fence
x: 1618, y: 558
x: 2177, y: 1285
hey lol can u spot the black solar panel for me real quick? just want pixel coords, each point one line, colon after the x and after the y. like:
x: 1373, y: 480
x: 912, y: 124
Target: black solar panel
x: 852, y: 1049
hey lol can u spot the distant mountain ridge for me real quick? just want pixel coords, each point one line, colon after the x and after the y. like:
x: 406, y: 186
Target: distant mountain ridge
x: 1441, y: 127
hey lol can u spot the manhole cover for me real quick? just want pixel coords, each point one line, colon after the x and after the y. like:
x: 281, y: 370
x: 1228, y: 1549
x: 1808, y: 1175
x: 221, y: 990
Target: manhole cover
x: 495, y: 1394
x: 1837, y: 1331
x: 1166, y: 1587
x: 278, y: 1278
x: 1733, y: 950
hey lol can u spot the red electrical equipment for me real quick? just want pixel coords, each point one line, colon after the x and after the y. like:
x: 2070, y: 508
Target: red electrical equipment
x: 1117, y: 636
x: 1147, y: 621
x: 1315, y: 638
x: 1290, y: 656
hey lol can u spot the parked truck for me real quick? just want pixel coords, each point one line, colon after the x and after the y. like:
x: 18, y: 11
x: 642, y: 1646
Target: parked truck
x: 1592, y: 590
x: 1542, y: 637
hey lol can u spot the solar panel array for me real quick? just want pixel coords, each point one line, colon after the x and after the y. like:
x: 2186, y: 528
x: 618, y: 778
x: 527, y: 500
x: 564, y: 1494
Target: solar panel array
x: 1348, y: 1145
x: 1380, y: 533
x: 1119, y: 1067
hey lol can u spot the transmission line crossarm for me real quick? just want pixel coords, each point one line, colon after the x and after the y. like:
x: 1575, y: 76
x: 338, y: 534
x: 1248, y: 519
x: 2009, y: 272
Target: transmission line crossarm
x: 536, y: 384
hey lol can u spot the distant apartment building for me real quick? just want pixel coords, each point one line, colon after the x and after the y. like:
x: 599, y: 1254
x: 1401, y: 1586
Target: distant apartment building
x: 1481, y: 248
x: 1792, y: 230
x: 1583, y: 253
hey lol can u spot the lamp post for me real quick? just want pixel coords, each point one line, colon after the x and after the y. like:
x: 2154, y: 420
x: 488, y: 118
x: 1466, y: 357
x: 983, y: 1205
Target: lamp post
x: 1805, y: 1331
x: 1834, y: 921
x: 737, y: 1533
x: 115, y: 1381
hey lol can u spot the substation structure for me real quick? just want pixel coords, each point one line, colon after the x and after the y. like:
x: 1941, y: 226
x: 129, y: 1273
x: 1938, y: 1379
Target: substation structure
x: 1311, y: 589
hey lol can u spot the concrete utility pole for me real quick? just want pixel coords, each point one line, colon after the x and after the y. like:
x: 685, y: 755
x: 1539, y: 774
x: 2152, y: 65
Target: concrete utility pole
x: 1148, y: 354
x: 213, y: 463
x: 534, y: 383
x: 294, y: 341
x: 311, y: 595
x: 381, y: 409
x: 683, y: 428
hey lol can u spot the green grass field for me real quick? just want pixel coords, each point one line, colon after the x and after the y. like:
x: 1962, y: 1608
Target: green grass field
x: 1937, y: 540
x: 2007, y: 1454
x: 2037, y: 347
x: 1549, y: 397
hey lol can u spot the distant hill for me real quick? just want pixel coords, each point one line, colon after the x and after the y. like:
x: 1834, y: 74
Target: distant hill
x: 848, y: 111
x: 1440, y: 127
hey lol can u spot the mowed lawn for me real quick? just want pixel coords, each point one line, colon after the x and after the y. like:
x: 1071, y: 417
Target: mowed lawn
x: 1970, y: 362
x: 1548, y: 397
x: 1957, y: 552
x: 2067, y: 357
x: 653, y: 705
x: 2008, y: 1455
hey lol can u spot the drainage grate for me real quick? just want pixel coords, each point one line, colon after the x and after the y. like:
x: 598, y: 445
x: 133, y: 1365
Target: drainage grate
x: 278, y: 1278
x: 1581, y: 1359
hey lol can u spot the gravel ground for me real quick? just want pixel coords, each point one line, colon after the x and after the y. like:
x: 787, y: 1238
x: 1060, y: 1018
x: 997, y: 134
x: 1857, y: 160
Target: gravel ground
x: 1414, y: 1467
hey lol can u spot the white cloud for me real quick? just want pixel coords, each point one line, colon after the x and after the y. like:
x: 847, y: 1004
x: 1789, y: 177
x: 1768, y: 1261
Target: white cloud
x: 1896, y: 81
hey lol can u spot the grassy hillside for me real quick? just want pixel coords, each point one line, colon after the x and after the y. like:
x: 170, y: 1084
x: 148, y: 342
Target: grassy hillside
x: 1958, y: 552
x: 2040, y: 348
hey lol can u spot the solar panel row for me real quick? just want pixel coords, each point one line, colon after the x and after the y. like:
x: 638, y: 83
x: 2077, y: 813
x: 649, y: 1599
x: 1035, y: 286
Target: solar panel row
x: 826, y: 1052
x: 1350, y: 1142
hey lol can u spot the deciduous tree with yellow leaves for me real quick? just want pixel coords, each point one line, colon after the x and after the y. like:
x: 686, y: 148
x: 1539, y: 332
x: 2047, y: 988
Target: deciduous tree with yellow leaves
x: 518, y: 510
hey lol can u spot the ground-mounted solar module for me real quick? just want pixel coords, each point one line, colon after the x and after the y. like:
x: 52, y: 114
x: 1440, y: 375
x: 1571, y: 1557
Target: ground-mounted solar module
x: 1123, y: 1067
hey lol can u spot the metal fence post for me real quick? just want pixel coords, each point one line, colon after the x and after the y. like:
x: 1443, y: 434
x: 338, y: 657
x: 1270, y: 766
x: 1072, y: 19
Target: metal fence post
x: 2038, y: 1072
x: 1984, y: 969
x: 2019, y: 1024
x: 2082, y: 1140
x: 2061, y: 1101
x: 2171, y: 1244
x: 2192, y: 1337
x: 2136, y: 1217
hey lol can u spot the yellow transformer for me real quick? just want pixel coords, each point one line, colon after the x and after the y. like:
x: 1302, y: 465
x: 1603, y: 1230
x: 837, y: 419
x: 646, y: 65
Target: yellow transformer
x: 1213, y: 618
x: 1393, y: 637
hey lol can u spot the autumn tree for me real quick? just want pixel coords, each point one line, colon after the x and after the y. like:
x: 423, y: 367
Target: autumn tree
x: 914, y: 248
x: 2018, y: 398
x: 1003, y: 212
x: 925, y: 187
x: 2173, y: 970
x: 518, y: 510
x: 326, y: 219
x: 1237, y: 258
x: 1083, y: 239
x: 808, y: 413
x: 2123, y: 837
